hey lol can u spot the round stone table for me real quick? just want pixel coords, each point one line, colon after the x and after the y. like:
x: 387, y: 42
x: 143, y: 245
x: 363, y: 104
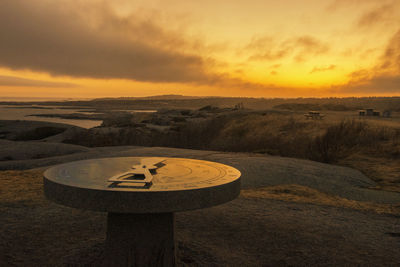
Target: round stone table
x: 140, y: 196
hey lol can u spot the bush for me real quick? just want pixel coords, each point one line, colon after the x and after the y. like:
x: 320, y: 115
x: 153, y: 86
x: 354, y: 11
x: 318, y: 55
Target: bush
x: 298, y: 106
x: 341, y: 139
x: 39, y: 133
x: 276, y: 134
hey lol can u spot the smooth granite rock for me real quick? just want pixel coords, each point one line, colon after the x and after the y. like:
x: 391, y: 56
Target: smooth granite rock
x: 257, y: 170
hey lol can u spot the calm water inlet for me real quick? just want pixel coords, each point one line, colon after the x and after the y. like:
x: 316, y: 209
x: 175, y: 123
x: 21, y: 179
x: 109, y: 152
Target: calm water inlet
x: 15, y: 113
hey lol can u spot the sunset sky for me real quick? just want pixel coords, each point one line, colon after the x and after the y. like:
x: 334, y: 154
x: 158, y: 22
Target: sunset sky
x: 257, y: 48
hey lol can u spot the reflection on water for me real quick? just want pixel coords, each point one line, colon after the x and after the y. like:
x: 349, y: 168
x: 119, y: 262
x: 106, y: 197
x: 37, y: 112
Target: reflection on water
x: 15, y: 113
x: 11, y: 112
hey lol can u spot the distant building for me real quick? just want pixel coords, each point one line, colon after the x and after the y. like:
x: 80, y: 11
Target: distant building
x: 239, y: 106
x: 314, y: 115
x: 369, y: 112
x: 387, y: 114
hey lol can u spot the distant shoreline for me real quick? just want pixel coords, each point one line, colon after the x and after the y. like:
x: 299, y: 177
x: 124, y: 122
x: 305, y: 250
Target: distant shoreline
x: 39, y: 99
x: 76, y: 116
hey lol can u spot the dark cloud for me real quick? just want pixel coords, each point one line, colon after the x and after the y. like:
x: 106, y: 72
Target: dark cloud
x: 276, y: 66
x: 300, y: 48
x: 337, y: 4
x: 381, y: 13
x: 322, y: 69
x: 360, y: 74
x: 271, y: 55
x: 87, y: 39
x: 83, y: 39
x: 266, y: 48
x: 383, y: 84
x: 384, y: 77
x: 391, y: 57
x: 309, y: 46
x: 17, y: 81
x: 380, y: 84
x: 377, y: 15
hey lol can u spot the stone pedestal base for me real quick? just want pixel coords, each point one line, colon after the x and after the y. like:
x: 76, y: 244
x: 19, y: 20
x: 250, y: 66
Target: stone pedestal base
x: 140, y: 239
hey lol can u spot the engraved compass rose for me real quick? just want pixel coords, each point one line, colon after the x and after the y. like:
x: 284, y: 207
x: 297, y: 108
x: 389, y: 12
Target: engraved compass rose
x: 140, y: 175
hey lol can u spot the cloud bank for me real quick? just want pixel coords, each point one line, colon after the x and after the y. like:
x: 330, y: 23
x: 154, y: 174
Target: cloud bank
x: 17, y: 81
x: 384, y: 77
x: 90, y: 40
x: 300, y: 48
x: 376, y: 15
x: 323, y: 69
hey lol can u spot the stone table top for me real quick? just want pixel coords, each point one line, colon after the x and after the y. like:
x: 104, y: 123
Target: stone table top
x: 141, y: 184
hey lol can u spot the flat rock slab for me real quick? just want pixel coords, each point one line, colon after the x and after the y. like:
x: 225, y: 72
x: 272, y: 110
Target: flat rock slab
x: 257, y: 170
x: 12, y: 150
x: 31, y: 130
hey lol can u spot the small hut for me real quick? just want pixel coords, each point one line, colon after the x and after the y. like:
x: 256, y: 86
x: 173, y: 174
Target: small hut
x: 314, y: 115
x: 369, y: 112
x: 387, y: 113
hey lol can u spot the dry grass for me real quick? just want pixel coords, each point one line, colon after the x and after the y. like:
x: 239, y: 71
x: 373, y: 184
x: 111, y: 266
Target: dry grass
x: 259, y: 231
x: 37, y: 232
x: 342, y: 139
x: 371, y: 145
x: 272, y: 133
x: 21, y: 186
x: 385, y: 171
x: 303, y: 194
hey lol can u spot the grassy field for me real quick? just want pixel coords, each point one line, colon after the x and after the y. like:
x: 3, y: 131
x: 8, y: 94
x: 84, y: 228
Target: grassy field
x: 272, y: 126
x: 286, y: 224
x: 369, y: 144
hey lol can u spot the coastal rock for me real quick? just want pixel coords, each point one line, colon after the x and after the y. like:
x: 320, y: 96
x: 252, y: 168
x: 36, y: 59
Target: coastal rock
x: 257, y: 170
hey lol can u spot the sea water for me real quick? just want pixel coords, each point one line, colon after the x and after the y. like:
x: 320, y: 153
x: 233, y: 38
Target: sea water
x: 8, y: 112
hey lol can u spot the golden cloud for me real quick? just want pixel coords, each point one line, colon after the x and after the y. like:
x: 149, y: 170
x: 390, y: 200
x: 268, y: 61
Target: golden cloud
x: 384, y: 77
x: 268, y: 49
x: 322, y: 69
x: 18, y: 81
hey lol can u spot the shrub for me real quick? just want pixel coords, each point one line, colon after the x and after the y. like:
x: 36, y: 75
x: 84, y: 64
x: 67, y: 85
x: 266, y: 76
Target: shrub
x: 39, y: 133
x: 341, y: 139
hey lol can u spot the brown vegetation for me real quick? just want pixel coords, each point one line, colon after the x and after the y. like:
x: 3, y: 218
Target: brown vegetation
x: 316, y: 106
x: 179, y: 102
x: 338, y: 143
x: 39, y: 133
x: 335, y: 140
x: 303, y: 194
x: 269, y: 226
